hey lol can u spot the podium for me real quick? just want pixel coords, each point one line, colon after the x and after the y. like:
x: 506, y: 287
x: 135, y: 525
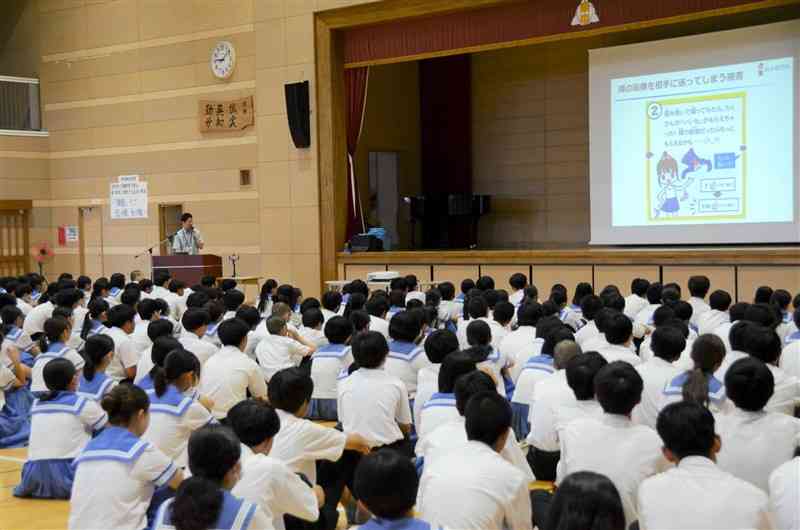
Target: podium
x: 189, y: 269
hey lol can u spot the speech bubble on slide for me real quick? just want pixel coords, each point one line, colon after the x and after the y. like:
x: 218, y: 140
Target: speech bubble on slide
x: 725, y: 160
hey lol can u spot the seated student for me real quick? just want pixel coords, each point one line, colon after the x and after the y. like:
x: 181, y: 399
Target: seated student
x: 148, y: 312
x: 155, y: 330
x: 518, y: 283
x: 331, y: 303
x: 537, y: 369
x: 232, y: 299
x: 57, y: 332
x: 763, y: 295
x: 438, y: 345
x: 146, y: 286
x: 15, y: 337
x: 265, y: 298
x: 612, y: 444
x: 717, y: 315
x: 195, y: 324
x: 518, y: 344
x: 312, y: 330
x: 126, y: 356
x: 176, y: 299
x: 158, y: 354
x: 94, y: 322
x: 619, y: 334
x: 699, y: 384
x: 378, y: 307
x: 174, y: 415
x: 590, y: 306
x: 487, y: 493
x: 441, y: 407
x: 228, y: 375
x: 372, y: 402
x: 584, y: 500
x: 764, y: 344
x: 216, y: 310
x: 654, y: 293
x: 784, y: 483
x: 698, y: 290
x: 736, y: 347
x: 326, y: 365
x: 360, y: 320
x: 116, y: 284
x: 667, y: 344
x: 15, y: 398
x: 386, y: 485
x: 684, y: 311
x: 397, y: 303
x: 637, y: 299
x: 582, y: 290
x: 62, y: 423
x: 265, y: 480
x: 661, y: 317
x: 790, y: 358
x: 601, y: 320
x: 781, y: 299
x: 23, y: 293
x: 204, y: 500
x: 696, y: 493
x: 756, y: 441
x: 551, y: 412
x: 467, y: 284
x: 97, y: 353
x: 283, y: 348
x: 406, y: 357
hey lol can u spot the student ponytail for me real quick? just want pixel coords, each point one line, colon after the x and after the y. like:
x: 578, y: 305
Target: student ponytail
x: 123, y: 403
x: 58, y: 375
x: 100, y: 285
x: 177, y: 363
x: 96, y: 307
x: 695, y: 389
x: 708, y: 351
x: 53, y: 329
x: 94, y: 351
x: 266, y: 294
x: 197, y: 504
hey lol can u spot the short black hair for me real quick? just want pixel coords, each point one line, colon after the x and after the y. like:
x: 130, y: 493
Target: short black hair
x: 699, y: 286
x: 440, y: 344
x: 613, y: 301
x: 405, y: 327
x: 477, y: 307
x: 485, y: 283
x: 232, y: 332
x: 68, y: 297
x: 639, y: 286
x: 738, y: 335
x: 586, y: 500
x: 654, y: 293
x: 147, y: 308
x: 195, y: 318
x: 763, y: 295
x: 470, y: 384
x: 386, y: 483
x: 454, y: 366
x: 308, y: 304
x: 781, y: 298
x: 397, y: 298
x: 338, y: 330
x: 233, y: 299
x: 312, y: 317
x: 370, y: 349
x: 761, y: 313
x: 467, y: 285
x: 162, y: 347
x: 738, y: 310
x: 227, y: 284
x: 662, y: 315
x: 618, y: 387
x: 590, y: 305
x: 120, y: 314
x: 558, y: 297
x: 488, y: 416
x: 683, y: 310
x: 398, y: 284
x: 529, y: 314
x: 687, y: 429
x: 249, y: 315
x: 581, y: 372
x: 668, y: 343
x: 582, y: 290
x: 197, y: 299
x: 447, y: 290
x: 185, y: 217
x: 159, y: 328
x: 360, y: 321
x: 619, y: 329
x: 479, y: 333
x: 290, y: 388
x: 720, y: 300
x: 377, y: 306
x: 554, y: 338
x: 253, y: 421
x: 176, y: 285
x: 763, y: 343
x: 331, y: 300
x: 518, y: 281
x: 749, y: 383
x: 548, y: 325
x: 492, y: 297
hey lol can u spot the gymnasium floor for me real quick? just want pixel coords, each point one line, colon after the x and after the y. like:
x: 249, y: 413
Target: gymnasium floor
x: 19, y: 514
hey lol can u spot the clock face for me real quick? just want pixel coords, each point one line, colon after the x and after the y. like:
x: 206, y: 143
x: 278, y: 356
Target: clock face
x: 223, y: 59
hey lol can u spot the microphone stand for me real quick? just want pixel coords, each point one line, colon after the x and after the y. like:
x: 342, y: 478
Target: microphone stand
x: 149, y: 251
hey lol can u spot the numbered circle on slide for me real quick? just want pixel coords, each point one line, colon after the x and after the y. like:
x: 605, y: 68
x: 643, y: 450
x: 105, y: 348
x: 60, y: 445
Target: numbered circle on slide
x: 654, y: 111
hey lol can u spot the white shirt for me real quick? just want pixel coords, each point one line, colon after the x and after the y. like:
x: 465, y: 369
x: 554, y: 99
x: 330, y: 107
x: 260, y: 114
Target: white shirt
x: 754, y: 444
x: 226, y: 378
x: 438, y: 410
x: 34, y: 321
x: 645, y: 316
x: 300, y: 443
x: 548, y: 396
x: 697, y: 494
x: 73, y: 426
x: 139, y: 336
x: 202, y: 349
x: 790, y: 359
x: 144, y: 365
x: 656, y: 373
x: 613, y: 446
x: 327, y: 314
x: 159, y: 292
x: 405, y: 360
x: 787, y: 392
x: 177, y: 305
x: 427, y: 385
x: 125, y: 353
x: 326, y: 364
x: 587, y: 332
x: 58, y: 350
x: 315, y: 336
x: 712, y: 320
x: 380, y: 325
x: 619, y: 352
x: 595, y: 344
x: 633, y: 304
x: 724, y: 333
x: 537, y: 369
x: 276, y: 352
x: 488, y: 492
x: 372, y: 403
x: 784, y: 495
x: 730, y: 357
x: 450, y: 310
x: 699, y: 307
x: 25, y: 307
x: 187, y: 241
x: 519, y: 346
x: 277, y: 490
x: 516, y: 297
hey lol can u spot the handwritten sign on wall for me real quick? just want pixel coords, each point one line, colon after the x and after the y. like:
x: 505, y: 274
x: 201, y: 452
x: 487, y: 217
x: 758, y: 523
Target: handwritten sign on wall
x: 221, y: 116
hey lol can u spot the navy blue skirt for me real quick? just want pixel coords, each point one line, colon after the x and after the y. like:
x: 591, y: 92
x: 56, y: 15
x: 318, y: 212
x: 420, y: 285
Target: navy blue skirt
x: 46, y: 479
x: 323, y: 409
x: 519, y: 420
x: 15, y: 418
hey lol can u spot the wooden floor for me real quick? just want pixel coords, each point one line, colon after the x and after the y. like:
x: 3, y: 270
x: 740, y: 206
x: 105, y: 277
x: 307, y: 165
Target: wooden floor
x: 25, y: 514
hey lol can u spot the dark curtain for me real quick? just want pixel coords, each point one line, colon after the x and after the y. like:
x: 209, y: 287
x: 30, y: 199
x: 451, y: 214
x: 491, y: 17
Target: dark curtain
x: 355, y: 81
x: 14, y: 106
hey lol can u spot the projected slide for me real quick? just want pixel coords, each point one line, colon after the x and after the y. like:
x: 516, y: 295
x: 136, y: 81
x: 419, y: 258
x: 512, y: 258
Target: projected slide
x: 705, y: 146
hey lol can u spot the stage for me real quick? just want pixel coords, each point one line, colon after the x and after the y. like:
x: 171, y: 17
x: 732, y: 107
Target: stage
x: 736, y: 269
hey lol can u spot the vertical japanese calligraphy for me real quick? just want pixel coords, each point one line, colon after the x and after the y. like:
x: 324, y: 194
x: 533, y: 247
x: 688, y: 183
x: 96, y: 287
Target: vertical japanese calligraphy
x: 220, y: 116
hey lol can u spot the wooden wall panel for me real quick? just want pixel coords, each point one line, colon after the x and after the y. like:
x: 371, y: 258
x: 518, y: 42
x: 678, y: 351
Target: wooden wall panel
x: 501, y: 274
x: 749, y: 278
x: 422, y: 272
x: 545, y: 276
x: 621, y: 276
x: 721, y: 277
x: 454, y: 273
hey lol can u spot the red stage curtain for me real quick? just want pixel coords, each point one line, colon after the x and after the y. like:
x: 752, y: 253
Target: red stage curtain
x: 505, y: 23
x: 355, y: 80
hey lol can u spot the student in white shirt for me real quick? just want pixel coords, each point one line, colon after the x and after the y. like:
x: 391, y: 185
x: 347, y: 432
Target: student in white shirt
x: 250, y: 316
x: 667, y: 344
x: 637, y: 299
x: 155, y: 330
x: 736, y: 313
x: 377, y: 307
x: 696, y: 493
x: 645, y: 315
x: 599, y: 341
x: 312, y: 330
x: 97, y: 353
x: 441, y: 407
x: 619, y: 334
x: 15, y: 337
x: 148, y: 312
x: 736, y: 346
x: 94, y: 322
x: 117, y: 472
x: 438, y: 346
x: 781, y: 299
x: 34, y: 321
x: 764, y: 344
x: 520, y: 344
x: 174, y: 416
x: 230, y: 374
x: 265, y: 297
x: 57, y: 331
x: 116, y: 285
x: 755, y: 442
x: 784, y: 494
x: 176, y: 299
x: 23, y: 294
x: 582, y: 290
x: 62, y: 423
x: 699, y: 384
x: 158, y: 354
x: 265, y: 480
x: 698, y: 290
x: 717, y: 315
x: 518, y: 283
x: 790, y: 357
x: 205, y: 500
x: 792, y: 334
x: 232, y: 299
x: 331, y: 302
x: 450, y: 310
x: 282, y: 348
x: 613, y: 445
x: 471, y: 486
x: 195, y: 324
x: 160, y: 281
x: 590, y: 306
x: 584, y: 500
x: 502, y: 315
x: 126, y: 356
x: 662, y: 316
x: 326, y: 365
x: 406, y: 357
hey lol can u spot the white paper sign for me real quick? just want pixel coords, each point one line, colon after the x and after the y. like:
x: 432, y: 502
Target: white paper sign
x: 129, y: 198
x: 71, y: 233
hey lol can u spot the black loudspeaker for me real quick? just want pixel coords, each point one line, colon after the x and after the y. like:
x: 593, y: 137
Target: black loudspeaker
x: 298, y: 112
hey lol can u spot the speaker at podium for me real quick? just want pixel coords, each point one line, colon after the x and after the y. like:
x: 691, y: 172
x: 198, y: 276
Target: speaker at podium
x: 189, y: 269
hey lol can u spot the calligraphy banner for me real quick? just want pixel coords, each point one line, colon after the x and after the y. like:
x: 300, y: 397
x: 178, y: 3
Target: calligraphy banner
x: 220, y: 116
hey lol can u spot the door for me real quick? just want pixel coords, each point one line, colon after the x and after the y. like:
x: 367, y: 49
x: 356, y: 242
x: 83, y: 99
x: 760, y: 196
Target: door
x: 169, y: 222
x: 14, y: 243
x: 90, y: 234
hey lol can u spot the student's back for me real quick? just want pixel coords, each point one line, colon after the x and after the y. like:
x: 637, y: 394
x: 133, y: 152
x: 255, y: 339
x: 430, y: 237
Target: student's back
x: 406, y: 357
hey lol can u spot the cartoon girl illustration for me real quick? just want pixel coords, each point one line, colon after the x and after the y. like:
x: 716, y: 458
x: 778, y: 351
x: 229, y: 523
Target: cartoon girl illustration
x: 671, y: 186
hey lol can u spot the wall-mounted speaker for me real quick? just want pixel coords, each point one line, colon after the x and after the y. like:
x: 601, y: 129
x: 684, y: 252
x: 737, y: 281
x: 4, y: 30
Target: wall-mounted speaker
x: 298, y: 112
